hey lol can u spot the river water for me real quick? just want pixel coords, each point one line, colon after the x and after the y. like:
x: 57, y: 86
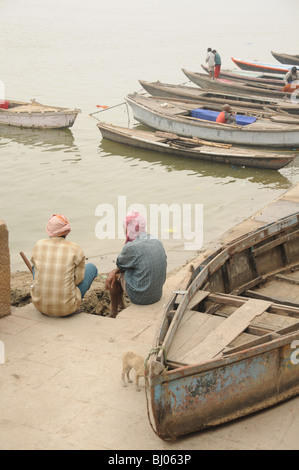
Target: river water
x: 84, y: 54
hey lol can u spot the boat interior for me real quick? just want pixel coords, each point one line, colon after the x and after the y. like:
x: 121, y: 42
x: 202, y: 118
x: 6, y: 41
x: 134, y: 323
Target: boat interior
x: 21, y: 106
x: 250, y: 297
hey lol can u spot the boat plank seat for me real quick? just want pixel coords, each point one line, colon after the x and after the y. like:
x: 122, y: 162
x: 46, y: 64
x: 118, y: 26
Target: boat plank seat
x: 267, y: 320
x: 197, y: 298
x: 226, y: 332
x: 193, y: 328
x: 280, y: 291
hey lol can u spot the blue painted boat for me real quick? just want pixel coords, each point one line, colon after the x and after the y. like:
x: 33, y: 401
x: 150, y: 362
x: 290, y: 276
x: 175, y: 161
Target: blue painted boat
x: 256, y: 66
x: 228, y: 342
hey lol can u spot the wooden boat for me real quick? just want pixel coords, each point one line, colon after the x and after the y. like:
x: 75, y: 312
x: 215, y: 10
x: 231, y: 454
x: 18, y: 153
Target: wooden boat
x: 164, y: 142
x: 36, y: 115
x: 262, y: 67
x: 256, y: 77
x: 230, y: 86
x: 227, y: 344
x: 182, y: 119
x: 210, y: 97
x: 286, y: 58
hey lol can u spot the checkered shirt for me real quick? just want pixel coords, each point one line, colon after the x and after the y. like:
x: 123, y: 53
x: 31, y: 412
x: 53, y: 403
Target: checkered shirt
x: 144, y: 263
x: 59, y: 267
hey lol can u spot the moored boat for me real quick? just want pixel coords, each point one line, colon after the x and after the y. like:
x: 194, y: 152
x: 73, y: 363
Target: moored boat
x: 237, y: 100
x: 172, y: 144
x: 262, y: 67
x: 227, y: 342
x: 286, y: 58
x: 231, y: 86
x: 36, y: 115
x: 255, y: 77
x: 184, y: 120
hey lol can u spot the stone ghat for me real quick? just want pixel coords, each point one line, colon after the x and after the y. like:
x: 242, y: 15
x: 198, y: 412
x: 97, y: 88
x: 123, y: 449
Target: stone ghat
x: 5, y: 308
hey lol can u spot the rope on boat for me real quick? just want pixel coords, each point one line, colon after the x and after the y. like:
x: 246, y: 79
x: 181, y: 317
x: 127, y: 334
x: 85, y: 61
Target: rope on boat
x: 154, y: 351
x: 106, y: 108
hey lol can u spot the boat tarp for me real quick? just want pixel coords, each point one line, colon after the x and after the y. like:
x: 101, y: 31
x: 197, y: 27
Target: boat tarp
x: 212, y: 116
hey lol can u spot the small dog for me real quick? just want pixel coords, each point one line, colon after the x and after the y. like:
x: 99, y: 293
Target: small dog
x: 132, y: 360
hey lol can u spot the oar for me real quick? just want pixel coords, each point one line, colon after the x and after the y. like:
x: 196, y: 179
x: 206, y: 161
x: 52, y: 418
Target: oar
x: 26, y: 261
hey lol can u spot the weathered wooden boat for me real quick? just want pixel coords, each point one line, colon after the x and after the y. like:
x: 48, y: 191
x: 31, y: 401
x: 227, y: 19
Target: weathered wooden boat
x: 210, y: 97
x: 230, y: 86
x: 167, y: 143
x: 182, y: 119
x: 247, y: 75
x: 286, y: 58
x: 227, y: 344
x: 262, y: 67
x: 36, y: 115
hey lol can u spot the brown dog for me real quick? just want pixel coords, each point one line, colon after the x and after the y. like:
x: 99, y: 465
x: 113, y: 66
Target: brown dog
x: 132, y: 360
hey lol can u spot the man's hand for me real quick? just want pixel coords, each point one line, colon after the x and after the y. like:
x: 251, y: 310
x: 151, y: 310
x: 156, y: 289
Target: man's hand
x: 111, y: 279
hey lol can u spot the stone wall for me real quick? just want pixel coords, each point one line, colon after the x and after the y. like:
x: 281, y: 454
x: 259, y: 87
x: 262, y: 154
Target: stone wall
x: 4, y: 271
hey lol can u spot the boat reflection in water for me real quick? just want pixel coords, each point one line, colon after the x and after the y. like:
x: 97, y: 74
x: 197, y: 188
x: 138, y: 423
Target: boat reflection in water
x: 37, y: 137
x: 267, y: 178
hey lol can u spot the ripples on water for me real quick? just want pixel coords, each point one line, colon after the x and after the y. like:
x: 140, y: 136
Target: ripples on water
x: 79, y: 55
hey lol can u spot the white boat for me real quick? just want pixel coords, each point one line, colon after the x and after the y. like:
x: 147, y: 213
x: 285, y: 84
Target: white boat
x: 36, y: 115
x: 182, y: 119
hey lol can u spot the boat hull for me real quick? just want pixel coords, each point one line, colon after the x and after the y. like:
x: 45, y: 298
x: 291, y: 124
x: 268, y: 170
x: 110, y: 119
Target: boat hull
x: 49, y: 121
x: 231, y: 86
x: 261, y: 67
x: 203, y: 386
x: 286, y: 58
x: 231, y: 156
x: 251, y: 76
x: 197, y: 397
x: 37, y: 116
x: 205, y: 130
x: 238, y: 100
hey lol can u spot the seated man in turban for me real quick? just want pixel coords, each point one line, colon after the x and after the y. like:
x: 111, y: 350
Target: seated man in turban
x: 291, y: 80
x: 141, y: 267
x: 227, y: 116
x: 60, y: 277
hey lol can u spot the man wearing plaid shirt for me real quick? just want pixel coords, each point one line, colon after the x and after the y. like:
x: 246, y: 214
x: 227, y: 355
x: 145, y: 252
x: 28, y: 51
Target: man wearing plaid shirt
x: 141, y: 267
x: 61, y: 278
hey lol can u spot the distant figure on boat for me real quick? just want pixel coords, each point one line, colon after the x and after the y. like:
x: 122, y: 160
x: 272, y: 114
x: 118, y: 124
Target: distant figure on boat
x: 217, y: 59
x: 227, y: 116
x: 210, y: 60
x: 60, y: 277
x: 291, y: 80
x: 141, y: 267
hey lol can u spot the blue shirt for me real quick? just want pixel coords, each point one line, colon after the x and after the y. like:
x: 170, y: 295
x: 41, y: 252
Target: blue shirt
x: 144, y: 262
x: 217, y: 59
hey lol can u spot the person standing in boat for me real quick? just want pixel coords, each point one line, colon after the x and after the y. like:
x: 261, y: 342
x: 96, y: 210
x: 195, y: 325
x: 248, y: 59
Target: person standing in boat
x: 210, y: 60
x: 141, y: 267
x: 227, y: 116
x: 217, y: 59
x: 60, y: 277
x: 289, y: 79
